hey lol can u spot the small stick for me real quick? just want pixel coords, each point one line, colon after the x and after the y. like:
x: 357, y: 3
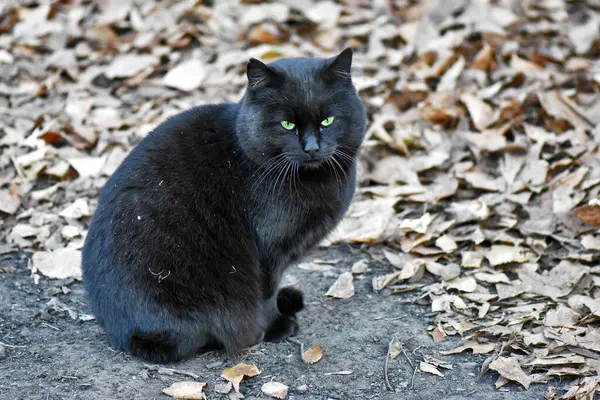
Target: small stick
x: 50, y: 326
x: 12, y: 346
x: 385, y: 367
x: 404, y: 352
x: 412, y: 381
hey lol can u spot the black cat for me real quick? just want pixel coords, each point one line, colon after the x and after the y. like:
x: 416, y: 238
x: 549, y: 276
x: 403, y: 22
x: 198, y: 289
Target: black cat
x: 194, y: 230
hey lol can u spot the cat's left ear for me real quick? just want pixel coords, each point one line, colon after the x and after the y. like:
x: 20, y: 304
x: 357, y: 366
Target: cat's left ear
x: 260, y: 74
x: 340, y: 65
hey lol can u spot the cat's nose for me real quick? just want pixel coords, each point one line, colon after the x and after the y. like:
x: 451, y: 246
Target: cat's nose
x: 311, y: 146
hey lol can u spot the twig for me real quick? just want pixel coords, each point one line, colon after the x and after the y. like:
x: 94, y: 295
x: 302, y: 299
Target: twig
x: 412, y: 381
x: 300, y: 344
x: 404, y: 352
x: 12, y: 346
x: 416, y: 348
x: 385, y: 367
x: 50, y: 326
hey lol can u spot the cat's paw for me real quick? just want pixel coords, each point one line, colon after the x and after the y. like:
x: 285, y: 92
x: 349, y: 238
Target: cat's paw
x: 289, y: 301
x: 283, y: 327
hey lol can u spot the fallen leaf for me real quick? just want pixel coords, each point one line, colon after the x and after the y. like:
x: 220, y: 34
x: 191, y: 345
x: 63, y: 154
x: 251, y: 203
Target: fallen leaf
x: 466, y: 284
x: 128, y: 65
x: 9, y: 202
x: 426, y: 367
x: 381, y: 282
x: 501, y: 254
x: 186, y: 390
x: 478, y: 348
x: 313, y: 355
x: 509, y: 368
x: 589, y: 214
x: 87, y: 166
x: 58, y: 264
x: 561, y: 316
x: 343, y: 287
x: 360, y: 267
x: 394, y: 348
x: 78, y: 209
x: 438, y: 334
x: 481, y: 112
x: 236, y: 373
x: 275, y: 389
x: 187, y: 76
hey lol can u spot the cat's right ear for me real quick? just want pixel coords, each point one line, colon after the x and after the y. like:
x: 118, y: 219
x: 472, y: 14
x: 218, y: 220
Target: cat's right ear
x: 259, y: 74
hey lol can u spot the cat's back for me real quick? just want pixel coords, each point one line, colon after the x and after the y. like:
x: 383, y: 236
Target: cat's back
x: 179, y: 175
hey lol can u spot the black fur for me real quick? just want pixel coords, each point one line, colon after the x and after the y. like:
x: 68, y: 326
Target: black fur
x: 194, y: 230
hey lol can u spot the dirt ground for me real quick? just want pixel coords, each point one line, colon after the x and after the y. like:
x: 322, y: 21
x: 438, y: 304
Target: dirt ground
x: 47, y: 355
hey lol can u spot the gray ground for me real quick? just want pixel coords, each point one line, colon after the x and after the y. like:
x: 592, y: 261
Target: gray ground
x: 61, y: 358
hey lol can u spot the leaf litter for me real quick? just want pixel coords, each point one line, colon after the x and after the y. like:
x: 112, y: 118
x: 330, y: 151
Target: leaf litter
x: 480, y: 170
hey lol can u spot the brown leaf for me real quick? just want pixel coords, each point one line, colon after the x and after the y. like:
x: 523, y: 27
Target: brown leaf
x: 589, y: 214
x: 313, y: 355
x: 236, y: 373
x: 186, y: 390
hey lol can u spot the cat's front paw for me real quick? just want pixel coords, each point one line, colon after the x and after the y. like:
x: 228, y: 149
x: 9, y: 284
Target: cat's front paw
x: 289, y: 301
x: 283, y: 327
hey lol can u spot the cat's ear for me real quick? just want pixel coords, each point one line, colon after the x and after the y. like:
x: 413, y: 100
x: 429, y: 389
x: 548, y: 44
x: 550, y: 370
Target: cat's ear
x: 340, y: 65
x: 260, y: 74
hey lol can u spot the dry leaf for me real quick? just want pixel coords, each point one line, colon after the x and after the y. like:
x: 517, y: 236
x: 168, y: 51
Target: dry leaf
x: 426, y: 367
x: 236, y: 373
x: 313, y: 355
x: 510, y: 369
x: 478, y: 348
x: 58, y: 264
x: 187, y: 76
x: 381, y: 282
x: 343, y: 287
x: 481, y: 113
x: 589, y: 214
x: 275, y: 389
x: 360, y: 267
x: 438, y: 334
x: 561, y: 316
x: 501, y: 254
x: 186, y: 390
x: 128, y: 65
x: 9, y: 202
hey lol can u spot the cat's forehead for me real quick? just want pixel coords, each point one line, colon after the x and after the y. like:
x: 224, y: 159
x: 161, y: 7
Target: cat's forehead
x: 298, y: 67
x: 303, y: 87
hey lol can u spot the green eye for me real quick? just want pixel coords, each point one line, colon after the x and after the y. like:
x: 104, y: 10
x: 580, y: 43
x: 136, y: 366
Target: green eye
x: 288, y: 125
x: 327, y: 121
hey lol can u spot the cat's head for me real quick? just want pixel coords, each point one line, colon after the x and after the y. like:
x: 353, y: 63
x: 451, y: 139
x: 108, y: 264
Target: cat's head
x: 301, y: 109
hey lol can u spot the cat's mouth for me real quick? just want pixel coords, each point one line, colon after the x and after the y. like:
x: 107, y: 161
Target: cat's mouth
x: 312, y: 163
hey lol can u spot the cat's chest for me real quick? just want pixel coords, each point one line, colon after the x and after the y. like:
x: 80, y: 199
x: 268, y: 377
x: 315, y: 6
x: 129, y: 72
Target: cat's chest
x: 287, y: 225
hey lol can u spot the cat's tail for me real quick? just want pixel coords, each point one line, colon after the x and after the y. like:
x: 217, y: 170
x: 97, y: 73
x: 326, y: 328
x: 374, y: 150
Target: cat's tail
x: 289, y: 301
x: 157, y: 347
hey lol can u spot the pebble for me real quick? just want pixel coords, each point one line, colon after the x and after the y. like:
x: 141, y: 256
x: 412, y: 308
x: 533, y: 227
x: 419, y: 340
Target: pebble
x: 302, y: 389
